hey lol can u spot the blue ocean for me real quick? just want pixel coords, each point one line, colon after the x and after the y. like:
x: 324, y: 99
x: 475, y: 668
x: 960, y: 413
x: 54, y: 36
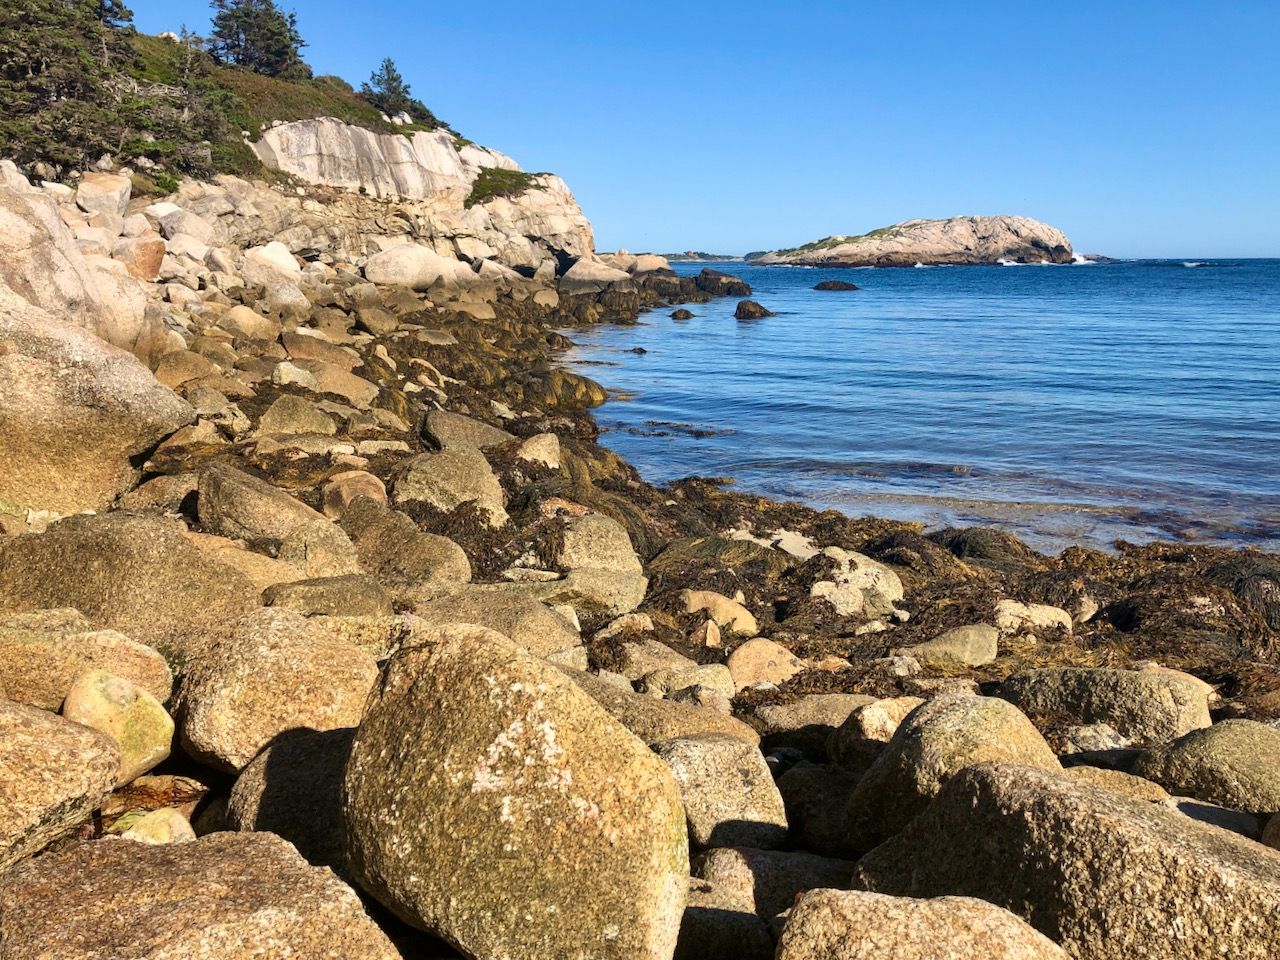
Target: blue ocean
x: 1080, y: 404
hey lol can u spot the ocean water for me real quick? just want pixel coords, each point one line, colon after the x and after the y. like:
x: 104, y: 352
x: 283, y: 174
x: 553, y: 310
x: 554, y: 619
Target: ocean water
x: 1132, y: 400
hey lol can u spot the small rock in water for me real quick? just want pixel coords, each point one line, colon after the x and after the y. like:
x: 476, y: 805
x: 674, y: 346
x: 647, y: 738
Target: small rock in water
x: 750, y: 310
x: 836, y: 285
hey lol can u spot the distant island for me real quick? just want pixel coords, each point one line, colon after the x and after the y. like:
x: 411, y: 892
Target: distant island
x: 699, y: 256
x: 958, y: 240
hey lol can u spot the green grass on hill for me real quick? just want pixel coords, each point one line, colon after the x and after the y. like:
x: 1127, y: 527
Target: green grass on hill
x: 497, y: 182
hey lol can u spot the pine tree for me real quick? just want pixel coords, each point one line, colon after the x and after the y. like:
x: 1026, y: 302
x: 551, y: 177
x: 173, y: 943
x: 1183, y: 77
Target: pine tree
x: 389, y: 92
x: 258, y: 35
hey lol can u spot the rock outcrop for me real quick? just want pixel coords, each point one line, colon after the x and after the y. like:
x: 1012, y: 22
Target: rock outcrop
x: 959, y: 240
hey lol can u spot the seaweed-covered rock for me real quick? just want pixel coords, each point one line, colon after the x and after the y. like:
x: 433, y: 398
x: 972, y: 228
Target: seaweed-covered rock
x: 1105, y: 876
x: 448, y: 479
x: 543, y: 788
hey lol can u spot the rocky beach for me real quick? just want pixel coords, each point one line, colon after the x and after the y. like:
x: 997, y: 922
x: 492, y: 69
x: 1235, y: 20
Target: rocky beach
x: 329, y: 629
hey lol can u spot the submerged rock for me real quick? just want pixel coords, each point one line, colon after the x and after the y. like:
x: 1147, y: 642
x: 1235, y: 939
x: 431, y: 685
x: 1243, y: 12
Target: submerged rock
x: 836, y: 285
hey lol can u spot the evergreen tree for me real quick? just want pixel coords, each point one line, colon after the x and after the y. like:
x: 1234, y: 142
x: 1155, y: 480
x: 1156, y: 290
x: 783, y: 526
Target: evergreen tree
x: 113, y: 13
x: 57, y: 59
x: 389, y: 92
x: 258, y: 35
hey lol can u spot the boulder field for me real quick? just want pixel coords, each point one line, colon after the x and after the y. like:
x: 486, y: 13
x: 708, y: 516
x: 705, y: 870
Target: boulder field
x: 328, y: 629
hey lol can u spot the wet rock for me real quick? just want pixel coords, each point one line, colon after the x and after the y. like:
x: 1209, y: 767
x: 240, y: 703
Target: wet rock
x: 729, y: 796
x: 135, y: 720
x: 293, y: 789
x: 53, y: 775
x: 136, y: 573
x: 763, y: 661
x: 274, y: 671
x: 76, y: 413
x: 1235, y: 763
x: 1149, y: 707
x: 391, y: 547
x: 353, y: 595
x: 242, y: 896
x: 239, y: 506
x: 721, y: 284
x: 42, y: 654
x: 974, y: 645
x: 1081, y: 865
x: 836, y: 285
x: 855, y: 925
x: 750, y: 310
x: 933, y: 744
x: 682, y: 314
x: 448, y: 479
x: 543, y: 788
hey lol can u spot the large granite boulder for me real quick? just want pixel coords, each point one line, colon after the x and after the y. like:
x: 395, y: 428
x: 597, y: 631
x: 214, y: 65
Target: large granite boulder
x: 229, y: 896
x: 77, y: 412
x: 43, y: 653
x: 453, y: 477
x: 542, y: 789
x: 274, y: 671
x: 53, y: 775
x: 1147, y: 706
x: 1105, y: 876
x: 856, y: 925
x: 416, y: 267
x: 239, y: 506
x: 136, y: 573
x: 532, y: 625
x: 1235, y: 763
x: 934, y: 743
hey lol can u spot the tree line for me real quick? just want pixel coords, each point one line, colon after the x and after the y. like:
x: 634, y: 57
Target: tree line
x: 69, y: 90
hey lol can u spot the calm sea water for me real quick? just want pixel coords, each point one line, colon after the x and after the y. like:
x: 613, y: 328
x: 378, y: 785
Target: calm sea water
x: 1136, y: 400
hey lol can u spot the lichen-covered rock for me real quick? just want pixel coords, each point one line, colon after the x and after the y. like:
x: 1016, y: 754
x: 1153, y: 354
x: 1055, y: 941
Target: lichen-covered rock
x: 729, y: 796
x: 542, y: 789
x: 1105, y: 876
x: 130, y: 716
x: 934, y: 743
x: 230, y: 896
x: 53, y: 775
x: 136, y: 573
x: 76, y: 413
x: 855, y: 925
x: 1145, y: 705
x: 43, y: 653
x: 274, y: 671
x: 1235, y: 763
x: 239, y: 506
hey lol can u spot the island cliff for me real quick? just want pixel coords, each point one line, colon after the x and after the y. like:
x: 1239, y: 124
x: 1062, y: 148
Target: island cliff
x: 959, y: 240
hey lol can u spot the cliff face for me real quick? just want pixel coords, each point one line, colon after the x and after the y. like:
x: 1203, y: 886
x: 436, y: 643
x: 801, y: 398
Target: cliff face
x: 959, y: 240
x: 536, y: 219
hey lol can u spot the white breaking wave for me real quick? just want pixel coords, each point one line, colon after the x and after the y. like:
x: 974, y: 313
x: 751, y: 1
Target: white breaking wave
x: 1193, y: 263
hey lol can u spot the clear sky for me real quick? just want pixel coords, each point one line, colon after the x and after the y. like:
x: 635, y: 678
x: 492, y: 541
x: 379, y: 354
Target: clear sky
x: 1139, y: 128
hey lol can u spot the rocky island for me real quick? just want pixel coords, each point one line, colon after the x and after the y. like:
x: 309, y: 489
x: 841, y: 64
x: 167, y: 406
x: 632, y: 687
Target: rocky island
x: 958, y: 240
x: 328, y: 629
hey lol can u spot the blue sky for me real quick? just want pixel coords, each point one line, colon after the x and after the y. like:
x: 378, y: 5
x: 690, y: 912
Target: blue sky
x: 1140, y: 128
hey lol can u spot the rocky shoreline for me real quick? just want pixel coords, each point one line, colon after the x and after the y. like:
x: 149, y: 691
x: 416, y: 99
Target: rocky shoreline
x: 330, y: 629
